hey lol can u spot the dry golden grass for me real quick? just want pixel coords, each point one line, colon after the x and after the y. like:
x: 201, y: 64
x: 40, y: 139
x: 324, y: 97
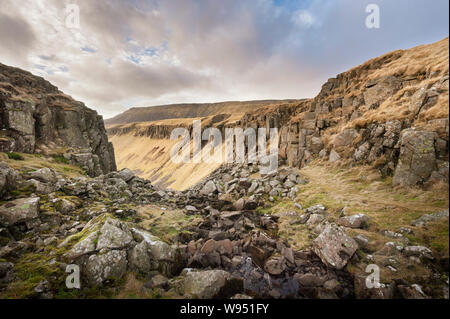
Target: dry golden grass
x: 362, y: 190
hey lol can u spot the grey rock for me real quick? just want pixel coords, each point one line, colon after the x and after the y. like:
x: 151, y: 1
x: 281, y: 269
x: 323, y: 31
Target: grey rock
x: 354, y: 221
x: 211, y: 284
x: 417, y: 158
x: 334, y: 247
x: 19, y: 210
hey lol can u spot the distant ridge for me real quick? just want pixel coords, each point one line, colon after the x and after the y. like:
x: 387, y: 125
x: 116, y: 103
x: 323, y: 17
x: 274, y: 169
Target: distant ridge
x: 188, y: 110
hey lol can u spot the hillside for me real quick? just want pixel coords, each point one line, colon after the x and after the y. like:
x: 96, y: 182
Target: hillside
x: 194, y: 110
x: 369, y: 115
x: 362, y: 181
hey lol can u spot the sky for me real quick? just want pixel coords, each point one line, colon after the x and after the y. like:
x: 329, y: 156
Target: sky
x: 128, y: 53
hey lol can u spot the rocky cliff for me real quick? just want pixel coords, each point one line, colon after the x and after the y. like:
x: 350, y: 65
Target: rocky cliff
x: 193, y: 110
x: 35, y: 117
x: 390, y: 112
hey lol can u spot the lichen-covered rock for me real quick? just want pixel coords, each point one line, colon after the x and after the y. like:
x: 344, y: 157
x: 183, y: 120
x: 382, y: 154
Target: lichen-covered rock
x: 44, y: 175
x: 19, y: 211
x: 37, y: 117
x: 109, y: 265
x: 160, y: 256
x: 334, y: 247
x: 8, y: 179
x: 114, y: 234
x: 417, y: 157
x: 354, y: 221
x: 211, y: 284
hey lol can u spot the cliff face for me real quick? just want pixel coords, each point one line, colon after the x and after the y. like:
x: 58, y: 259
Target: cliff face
x: 390, y: 112
x: 192, y: 110
x: 35, y: 117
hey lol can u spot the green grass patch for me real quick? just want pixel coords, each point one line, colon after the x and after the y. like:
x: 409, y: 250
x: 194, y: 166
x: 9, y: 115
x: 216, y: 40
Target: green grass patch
x: 15, y: 156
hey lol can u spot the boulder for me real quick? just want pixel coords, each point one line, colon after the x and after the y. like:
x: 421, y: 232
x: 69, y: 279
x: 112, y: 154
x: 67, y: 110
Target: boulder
x: 126, y: 174
x: 211, y: 284
x: 208, y: 188
x: 44, y: 175
x: 334, y: 156
x: 8, y: 179
x: 334, y: 247
x: 417, y: 158
x: 19, y: 211
x: 418, y: 251
x: 354, y: 221
x: 109, y: 265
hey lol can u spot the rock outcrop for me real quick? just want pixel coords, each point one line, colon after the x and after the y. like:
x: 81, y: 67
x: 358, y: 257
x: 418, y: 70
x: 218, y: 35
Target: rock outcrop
x: 359, y: 118
x: 35, y: 117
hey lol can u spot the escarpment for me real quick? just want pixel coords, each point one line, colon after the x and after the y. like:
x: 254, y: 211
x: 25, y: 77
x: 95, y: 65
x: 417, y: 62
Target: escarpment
x: 35, y: 117
x: 390, y: 113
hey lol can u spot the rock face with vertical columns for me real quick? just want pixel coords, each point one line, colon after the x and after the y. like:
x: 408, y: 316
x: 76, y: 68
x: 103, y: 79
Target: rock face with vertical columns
x: 35, y: 117
x: 358, y: 118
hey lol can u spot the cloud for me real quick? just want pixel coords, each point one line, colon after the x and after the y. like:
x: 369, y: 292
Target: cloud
x: 129, y: 53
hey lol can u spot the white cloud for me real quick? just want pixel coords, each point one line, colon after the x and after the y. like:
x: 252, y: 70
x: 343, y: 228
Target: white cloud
x: 167, y: 51
x: 303, y: 18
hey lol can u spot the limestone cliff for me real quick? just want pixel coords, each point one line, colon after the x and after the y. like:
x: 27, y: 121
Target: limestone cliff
x: 35, y: 117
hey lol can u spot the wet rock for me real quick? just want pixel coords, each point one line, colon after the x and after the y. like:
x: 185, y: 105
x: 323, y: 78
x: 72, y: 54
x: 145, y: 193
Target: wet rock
x: 334, y: 247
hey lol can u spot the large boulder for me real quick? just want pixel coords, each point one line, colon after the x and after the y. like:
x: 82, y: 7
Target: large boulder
x: 334, y: 247
x: 19, y: 211
x: 109, y: 265
x: 208, y: 188
x: 211, y: 284
x: 417, y: 158
x: 154, y: 254
x: 44, y: 175
x: 354, y: 221
x: 109, y: 247
x: 8, y: 179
